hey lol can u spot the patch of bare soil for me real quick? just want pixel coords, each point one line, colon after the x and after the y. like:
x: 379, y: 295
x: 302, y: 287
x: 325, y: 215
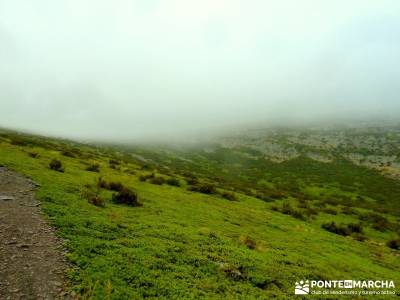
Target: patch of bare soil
x: 32, y: 264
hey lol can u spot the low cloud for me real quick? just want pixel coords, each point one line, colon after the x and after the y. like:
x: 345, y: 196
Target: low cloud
x: 135, y: 69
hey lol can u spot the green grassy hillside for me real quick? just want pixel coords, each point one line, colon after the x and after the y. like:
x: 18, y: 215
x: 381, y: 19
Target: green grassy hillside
x: 182, y: 243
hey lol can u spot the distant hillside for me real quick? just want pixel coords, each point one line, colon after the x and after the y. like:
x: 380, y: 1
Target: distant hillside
x: 215, y: 221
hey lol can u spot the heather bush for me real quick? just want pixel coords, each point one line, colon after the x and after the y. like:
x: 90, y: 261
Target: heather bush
x: 173, y: 181
x: 93, y: 168
x: 126, y: 196
x: 56, y: 165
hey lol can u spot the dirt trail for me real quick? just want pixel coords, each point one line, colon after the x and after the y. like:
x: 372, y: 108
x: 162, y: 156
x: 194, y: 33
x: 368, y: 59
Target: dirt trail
x: 32, y: 265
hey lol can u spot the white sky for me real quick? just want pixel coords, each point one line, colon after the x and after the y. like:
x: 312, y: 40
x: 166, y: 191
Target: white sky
x: 128, y: 69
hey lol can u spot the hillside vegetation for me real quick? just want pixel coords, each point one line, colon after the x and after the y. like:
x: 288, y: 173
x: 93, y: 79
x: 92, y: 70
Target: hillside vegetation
x: 221, y: 224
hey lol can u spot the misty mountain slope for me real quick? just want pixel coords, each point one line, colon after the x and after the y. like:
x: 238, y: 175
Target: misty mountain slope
x: 236, y: 234
x: 345, y: 161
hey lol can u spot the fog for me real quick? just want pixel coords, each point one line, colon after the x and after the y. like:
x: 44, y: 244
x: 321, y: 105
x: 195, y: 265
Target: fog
x: 122, y: 70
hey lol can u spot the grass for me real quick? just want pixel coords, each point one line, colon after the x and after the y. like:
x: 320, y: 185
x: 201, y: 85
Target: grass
x: 187, y: 245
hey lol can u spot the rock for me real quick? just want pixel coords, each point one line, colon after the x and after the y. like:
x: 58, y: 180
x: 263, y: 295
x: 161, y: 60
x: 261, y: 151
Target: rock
x: 6, y: 198
x: 34, y: 183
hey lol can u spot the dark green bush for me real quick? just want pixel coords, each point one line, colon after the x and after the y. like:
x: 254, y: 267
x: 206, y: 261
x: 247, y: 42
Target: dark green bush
x: 203, y: 188
x: 377, y: 221
x: 115, y: 186
x: 145, y: 177
x: 173, y: 181
x: 101, y: 183
x: 302, y: 203
x: 394, y: 244
x: 114, y: 162
x: 275, y: 208
x: 262, y: 196
x: 112, y: 185
x: 33, y: 154
x: 192, y: 180
x: 346, y: 210
x: 126, y: 196
x: 330, y: 211
x: 287, y: 209
x: 332, y: 227
x: 18, y: 141
x: 68, y: 153
x: 158, y: 180
x: 359, y: 237
x: 311, y: 211
x: 229, y: 196
x: 233, y: 273
x: 97, y: 201
x: 277, y: 195
x: 92, y: 194
x: 130, y: 171
x: 344, y: 230
x: 93, y: 168
x: 56, y: 165
x: 248, y: 242
x: 355, y: 227
x: 115, y: 167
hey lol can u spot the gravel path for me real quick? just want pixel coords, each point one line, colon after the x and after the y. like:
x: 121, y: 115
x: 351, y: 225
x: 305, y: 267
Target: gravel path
x: 32, y: 264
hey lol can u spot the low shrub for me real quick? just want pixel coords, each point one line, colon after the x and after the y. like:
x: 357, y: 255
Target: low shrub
x: 93, y: 168
x: 275, y: 208
x: 115, y: 167
x: 346, y: 210
x: 192, y: 180
x: 344, y: 230
x: 277, y: 195
x: 56, y: 165
x: 17, y: 141
x: 359, y: 237
x: 97, y: 201
x: 394, y: 244
x: 115, y: 186
x: 229, y: 196
x: 92, y: 194
x: 248, y: 242
x: 303, y: 204
x: 101, y: 183
x: 355, y: 227
x: 330, y: 211
x: 112, y: 185
x: 33, y: 154
x: 320, y: 204
x: 377, y: 221
x: 173, y: 181
x: 332, y: 227
x: 262, y: 196
x: 114, y: 162
x: 130, y: 171
x: 68, y: 153
x: 233, y: 273
x: 203, y: 188
x: 158, y: 180
x: 287, y: 209
x: 146, y: 177
x: 311, y: 211
x: 126, y: 196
